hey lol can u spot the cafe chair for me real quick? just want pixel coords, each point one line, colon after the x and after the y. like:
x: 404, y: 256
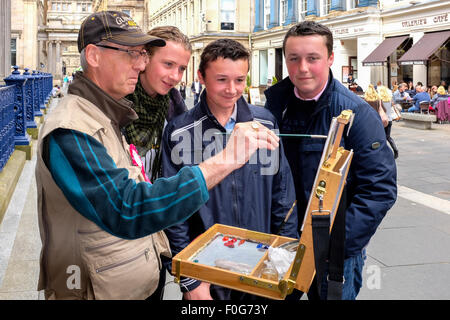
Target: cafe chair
x: 424, y: 107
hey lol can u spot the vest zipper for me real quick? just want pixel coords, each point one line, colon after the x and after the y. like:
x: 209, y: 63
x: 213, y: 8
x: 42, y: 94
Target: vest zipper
x: 156, y: 254
x: 118, y: 264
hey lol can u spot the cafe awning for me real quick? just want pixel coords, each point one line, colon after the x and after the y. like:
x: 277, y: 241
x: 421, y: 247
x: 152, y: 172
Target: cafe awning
x: 379, y: 56
x: 422, y: 50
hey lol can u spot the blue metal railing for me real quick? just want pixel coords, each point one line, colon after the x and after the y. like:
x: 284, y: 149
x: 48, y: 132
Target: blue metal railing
x: 7, y: 124
x: 22, y: 99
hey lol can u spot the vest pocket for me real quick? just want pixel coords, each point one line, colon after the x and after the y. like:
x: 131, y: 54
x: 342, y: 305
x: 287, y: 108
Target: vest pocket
x: 122, y: 269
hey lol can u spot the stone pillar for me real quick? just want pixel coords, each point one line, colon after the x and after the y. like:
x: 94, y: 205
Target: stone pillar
x: 57, y: 72
x: 5, y: 38
x: 292, y: 16
x: 419, y: 71
x: 274, y: 13
x: 270, y: 63
x: 255, y: 68
x: 259, y: 15
x: 50, y: 64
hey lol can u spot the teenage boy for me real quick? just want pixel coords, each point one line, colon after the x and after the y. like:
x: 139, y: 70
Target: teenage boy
x: 305, y: 103
x: 256, y: 197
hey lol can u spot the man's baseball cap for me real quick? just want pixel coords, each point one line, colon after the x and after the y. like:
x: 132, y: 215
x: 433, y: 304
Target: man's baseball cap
x: 116, y: 27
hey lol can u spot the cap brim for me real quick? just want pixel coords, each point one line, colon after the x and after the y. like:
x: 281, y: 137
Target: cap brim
x: 133, y: 39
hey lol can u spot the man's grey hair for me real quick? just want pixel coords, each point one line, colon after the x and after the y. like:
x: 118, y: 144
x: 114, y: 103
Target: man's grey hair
x: 83, y: 62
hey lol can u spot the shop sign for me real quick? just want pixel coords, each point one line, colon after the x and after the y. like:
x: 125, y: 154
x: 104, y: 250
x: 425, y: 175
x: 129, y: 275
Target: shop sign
x: 345, y: 31
x: 438, y: 19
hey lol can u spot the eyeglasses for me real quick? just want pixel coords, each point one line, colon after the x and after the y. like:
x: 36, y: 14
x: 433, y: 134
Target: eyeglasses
x: 133, y: 54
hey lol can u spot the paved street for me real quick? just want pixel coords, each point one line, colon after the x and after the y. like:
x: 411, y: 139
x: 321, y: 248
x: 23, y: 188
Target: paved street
x: 408, y: 258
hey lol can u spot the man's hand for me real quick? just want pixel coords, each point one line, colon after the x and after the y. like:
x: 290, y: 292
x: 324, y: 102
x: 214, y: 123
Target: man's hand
x: 244, y: 141
x: 199, y: 293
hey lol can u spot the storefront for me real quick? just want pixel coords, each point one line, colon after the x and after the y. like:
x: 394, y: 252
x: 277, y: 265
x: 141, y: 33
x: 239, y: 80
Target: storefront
x: 415, y: 46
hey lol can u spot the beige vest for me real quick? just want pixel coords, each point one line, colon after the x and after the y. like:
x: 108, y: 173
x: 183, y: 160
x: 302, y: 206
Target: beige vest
x: 78, y: 259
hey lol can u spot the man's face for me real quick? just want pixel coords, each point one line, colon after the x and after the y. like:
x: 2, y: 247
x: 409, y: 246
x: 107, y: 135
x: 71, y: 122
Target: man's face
x: 165, y: 68
x: 117, y: 71
x: 224, y: 81
x: 308, y: 63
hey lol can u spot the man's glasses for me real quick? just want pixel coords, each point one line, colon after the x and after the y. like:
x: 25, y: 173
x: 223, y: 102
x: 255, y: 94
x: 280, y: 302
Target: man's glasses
x: 133, y: 54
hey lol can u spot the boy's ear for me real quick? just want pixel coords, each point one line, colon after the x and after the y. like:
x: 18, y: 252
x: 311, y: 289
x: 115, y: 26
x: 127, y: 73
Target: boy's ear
x: 200, y: 77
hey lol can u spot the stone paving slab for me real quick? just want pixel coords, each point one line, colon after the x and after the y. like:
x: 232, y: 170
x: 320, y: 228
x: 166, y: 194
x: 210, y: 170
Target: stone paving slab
x: 415, y: 282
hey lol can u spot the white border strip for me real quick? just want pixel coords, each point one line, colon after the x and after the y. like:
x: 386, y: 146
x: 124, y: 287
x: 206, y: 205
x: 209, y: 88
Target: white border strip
x: 427, y: 200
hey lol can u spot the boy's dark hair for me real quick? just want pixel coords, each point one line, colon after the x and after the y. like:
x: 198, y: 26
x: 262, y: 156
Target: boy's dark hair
x: 222, y: 48
x: 310, y: 28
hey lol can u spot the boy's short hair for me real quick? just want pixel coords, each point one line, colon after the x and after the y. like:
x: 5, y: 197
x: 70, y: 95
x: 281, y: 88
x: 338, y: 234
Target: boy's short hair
x: 222, y: 48
x: 310, y: 28
x: 169, y: 33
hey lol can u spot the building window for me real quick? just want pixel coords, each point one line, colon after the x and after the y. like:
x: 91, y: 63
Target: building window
x: 227, y: 14
x: 13, y: 52
x: 353, y: 4
x: 263, y: 63
x: 302, y: 9
x: 266, y: 14
x: 326, y: 4
x: 283, y: 11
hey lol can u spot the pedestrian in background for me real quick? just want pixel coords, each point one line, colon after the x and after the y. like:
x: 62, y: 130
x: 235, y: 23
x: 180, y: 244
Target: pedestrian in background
x: 386, y: 98
x: 420, y: 96
x: 183, y: 90
x: 196, y: 89
x: 373, y: 99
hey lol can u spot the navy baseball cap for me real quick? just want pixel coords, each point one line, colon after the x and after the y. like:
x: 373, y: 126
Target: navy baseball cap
x: 116, y: 27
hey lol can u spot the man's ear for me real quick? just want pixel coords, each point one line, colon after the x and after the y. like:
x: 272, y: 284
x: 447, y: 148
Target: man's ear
x: 331, y: 59
x: 92, y: 54
x: 200, y: 77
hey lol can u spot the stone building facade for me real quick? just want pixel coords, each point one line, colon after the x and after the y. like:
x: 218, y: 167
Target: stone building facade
x: 204, y: 21
x: 360, y: 29
x: 45, y: 38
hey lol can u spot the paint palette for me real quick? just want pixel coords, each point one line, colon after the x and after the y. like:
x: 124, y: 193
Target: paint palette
x: 231, y: 249
x: 230, y: 257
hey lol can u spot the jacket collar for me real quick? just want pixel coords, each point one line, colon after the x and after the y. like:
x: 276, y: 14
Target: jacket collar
x: 120, y: 112
x: 243, y: 110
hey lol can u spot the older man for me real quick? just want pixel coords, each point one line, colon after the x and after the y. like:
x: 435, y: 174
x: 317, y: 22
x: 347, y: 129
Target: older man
x: 100, y: 221
x: 421, y: 96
